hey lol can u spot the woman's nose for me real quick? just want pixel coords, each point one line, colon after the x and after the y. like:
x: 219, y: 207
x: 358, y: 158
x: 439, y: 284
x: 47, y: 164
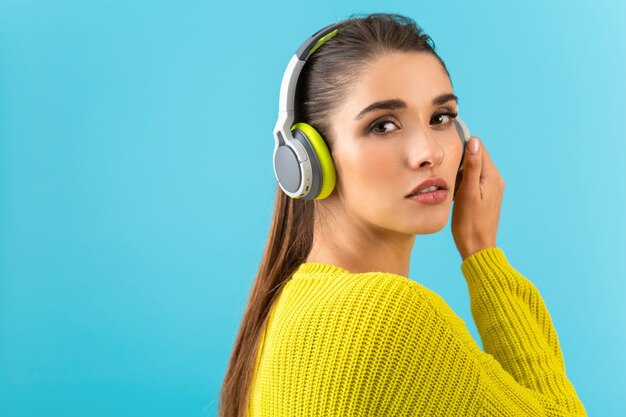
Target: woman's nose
x: 425, y: 149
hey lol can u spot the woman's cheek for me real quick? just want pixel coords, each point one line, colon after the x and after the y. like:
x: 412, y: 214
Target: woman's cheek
x: 377, y: 165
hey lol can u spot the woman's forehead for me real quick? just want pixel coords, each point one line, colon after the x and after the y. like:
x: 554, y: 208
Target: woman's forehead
x: 401, y: 71
x: 414, y: 77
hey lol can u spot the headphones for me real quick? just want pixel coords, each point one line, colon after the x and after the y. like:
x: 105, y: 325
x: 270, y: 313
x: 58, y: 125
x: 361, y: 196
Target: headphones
x: 303, y: 166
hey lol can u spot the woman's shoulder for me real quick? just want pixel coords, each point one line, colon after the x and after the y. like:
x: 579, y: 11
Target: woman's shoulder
x: 329, y: 318
x: 325, y: 281
x: 331, y: 329
x: 328, y: 295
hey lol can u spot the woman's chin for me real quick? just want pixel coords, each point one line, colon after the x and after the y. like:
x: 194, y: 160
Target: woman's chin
x: 429, y: 226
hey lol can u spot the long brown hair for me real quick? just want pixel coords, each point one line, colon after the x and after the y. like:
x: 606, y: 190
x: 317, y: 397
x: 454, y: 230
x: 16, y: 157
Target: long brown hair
x: 323, y: 83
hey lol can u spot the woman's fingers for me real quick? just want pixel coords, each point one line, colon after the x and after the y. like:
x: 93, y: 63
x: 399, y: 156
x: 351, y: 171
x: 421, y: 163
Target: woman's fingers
x: 489, y: 169
x: 472, y: 165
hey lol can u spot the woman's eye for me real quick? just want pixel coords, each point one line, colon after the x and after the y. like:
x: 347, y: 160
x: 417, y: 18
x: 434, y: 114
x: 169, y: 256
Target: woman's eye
x: 382, y: 126
x: 450, y: 116
x: 379, y: 127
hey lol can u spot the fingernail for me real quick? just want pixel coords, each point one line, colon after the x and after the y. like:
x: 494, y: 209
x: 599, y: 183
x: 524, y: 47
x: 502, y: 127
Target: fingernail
x: 473, y: 146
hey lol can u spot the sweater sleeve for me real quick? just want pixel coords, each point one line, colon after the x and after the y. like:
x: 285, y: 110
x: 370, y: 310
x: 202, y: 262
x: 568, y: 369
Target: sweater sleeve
x: 522, y: 358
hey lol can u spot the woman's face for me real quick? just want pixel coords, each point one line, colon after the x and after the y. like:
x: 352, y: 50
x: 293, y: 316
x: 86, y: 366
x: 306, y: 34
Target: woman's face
x: 382, y: 154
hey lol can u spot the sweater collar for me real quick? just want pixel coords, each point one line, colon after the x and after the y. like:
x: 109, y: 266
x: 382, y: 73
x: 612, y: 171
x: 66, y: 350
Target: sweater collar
x: 307, y: 268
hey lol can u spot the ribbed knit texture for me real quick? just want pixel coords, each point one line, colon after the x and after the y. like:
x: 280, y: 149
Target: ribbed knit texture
x: 380, y: 344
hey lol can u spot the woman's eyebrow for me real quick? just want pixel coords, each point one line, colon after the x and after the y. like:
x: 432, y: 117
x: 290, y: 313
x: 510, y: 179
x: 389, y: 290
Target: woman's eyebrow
x: 397, y: 103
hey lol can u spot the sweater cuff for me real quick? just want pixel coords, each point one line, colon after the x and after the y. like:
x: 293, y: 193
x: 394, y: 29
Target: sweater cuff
x: 487, y: 264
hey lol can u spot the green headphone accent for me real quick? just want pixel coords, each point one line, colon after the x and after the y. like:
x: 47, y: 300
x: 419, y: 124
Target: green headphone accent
x: 323, y: 154
x: 322, y: 40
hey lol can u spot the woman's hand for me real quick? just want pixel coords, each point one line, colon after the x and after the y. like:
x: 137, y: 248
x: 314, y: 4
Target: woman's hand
x: 477, y: 198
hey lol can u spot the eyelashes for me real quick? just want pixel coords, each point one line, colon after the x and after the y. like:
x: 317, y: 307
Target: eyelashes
x: 451, y: 115
x: 373, y: 128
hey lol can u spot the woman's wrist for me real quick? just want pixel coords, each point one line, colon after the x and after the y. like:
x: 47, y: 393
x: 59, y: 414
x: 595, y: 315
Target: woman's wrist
x: 466, y: 252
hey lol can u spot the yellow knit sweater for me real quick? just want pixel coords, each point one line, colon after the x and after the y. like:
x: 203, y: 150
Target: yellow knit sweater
x: 380, y: 344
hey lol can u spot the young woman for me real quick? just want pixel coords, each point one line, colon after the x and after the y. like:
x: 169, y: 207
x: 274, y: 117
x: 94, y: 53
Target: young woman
x: 334, y: 326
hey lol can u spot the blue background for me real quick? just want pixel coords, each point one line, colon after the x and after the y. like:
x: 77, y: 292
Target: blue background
x: 136, y: 185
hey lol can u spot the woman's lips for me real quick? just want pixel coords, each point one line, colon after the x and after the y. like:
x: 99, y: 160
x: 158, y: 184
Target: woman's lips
x: 433, y: 197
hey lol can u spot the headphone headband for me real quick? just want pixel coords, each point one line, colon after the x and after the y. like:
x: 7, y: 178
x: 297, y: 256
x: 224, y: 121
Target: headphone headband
x: 290, y: 80
x: 316, y: 40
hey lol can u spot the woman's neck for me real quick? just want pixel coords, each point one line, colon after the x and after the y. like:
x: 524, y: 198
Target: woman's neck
x: 353, y: 246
